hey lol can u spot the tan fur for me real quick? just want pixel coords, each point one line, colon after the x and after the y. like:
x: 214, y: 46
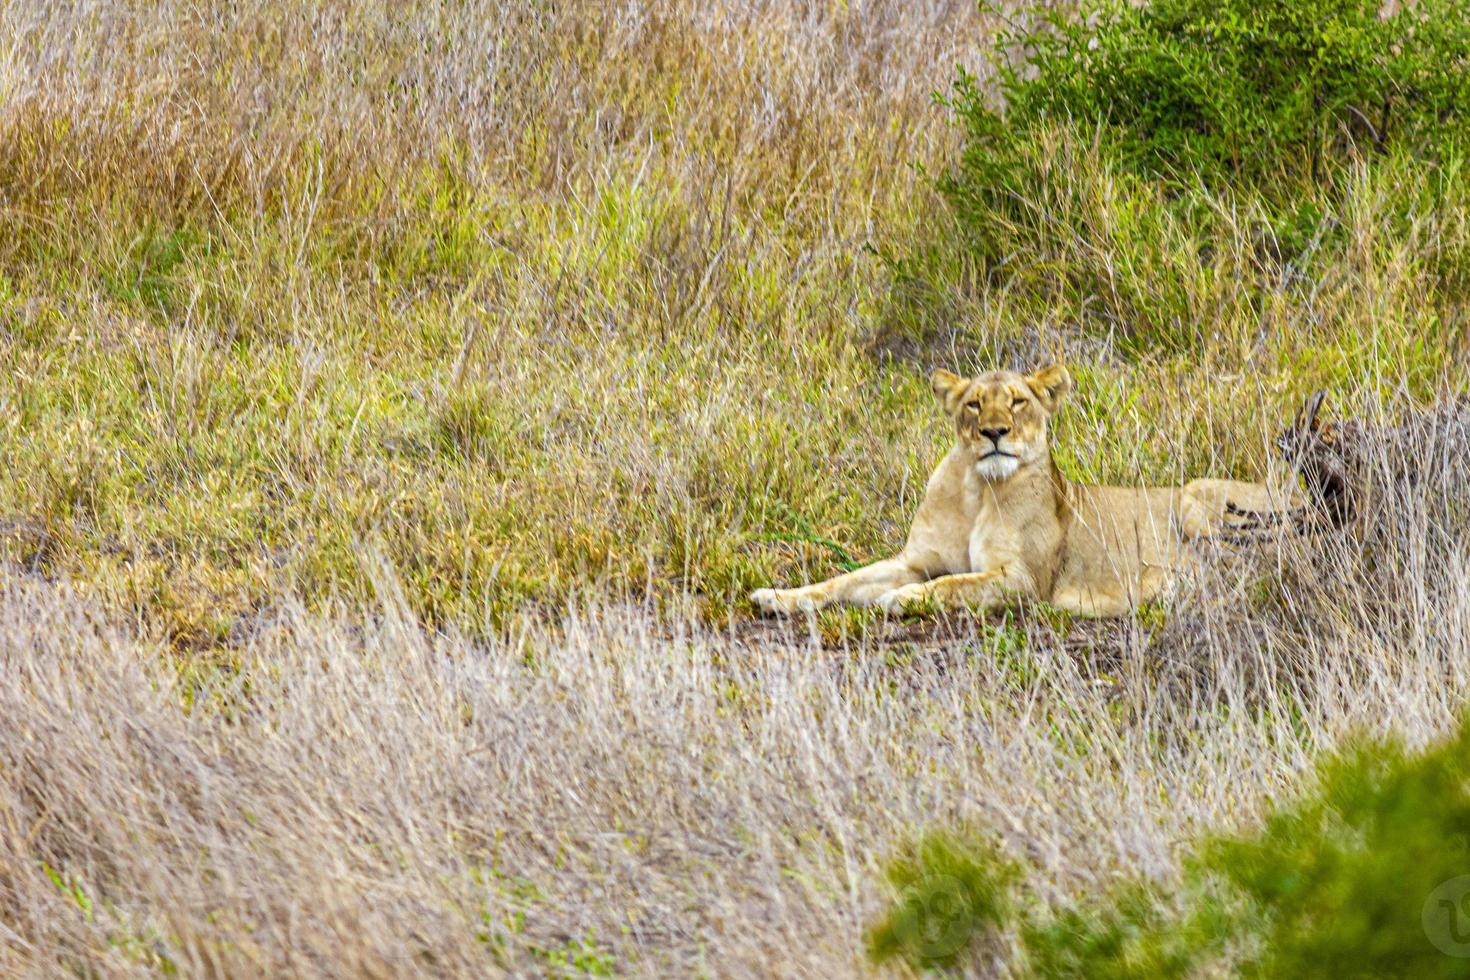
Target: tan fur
x: 998, y: 521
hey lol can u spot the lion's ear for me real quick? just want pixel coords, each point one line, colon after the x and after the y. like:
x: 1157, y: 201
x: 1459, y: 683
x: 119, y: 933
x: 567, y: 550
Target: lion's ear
x: 1050, y: 385
x: 946, y: 385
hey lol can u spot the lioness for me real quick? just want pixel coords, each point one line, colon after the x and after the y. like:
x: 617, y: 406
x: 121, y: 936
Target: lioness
x: 999, y: 521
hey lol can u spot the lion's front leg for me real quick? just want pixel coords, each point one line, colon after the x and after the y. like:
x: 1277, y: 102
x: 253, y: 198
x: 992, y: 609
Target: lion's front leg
x: 860, y: 588
x: 976, y: 590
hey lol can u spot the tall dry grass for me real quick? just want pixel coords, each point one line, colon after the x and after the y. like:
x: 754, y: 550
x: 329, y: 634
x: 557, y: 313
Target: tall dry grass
x: 557, y: 305
x: 550, y: 301
x: 536, y: 295
x: 193, y: 101
x: 618, y: 792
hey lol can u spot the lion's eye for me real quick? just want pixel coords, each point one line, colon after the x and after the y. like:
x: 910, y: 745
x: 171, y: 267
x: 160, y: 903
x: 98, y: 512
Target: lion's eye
x: 1017, y: 402
x: 973, y: 406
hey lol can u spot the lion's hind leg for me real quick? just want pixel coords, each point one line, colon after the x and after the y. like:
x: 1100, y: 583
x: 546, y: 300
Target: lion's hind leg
x: 861, y: 588
x: 1211, y: 507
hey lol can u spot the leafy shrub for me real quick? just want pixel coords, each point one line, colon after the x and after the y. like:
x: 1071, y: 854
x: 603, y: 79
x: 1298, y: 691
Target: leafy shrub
x: 1367, y: 876
x: 1255, y: 93
x: 953, y: 891
x: 1140, y: 157
x: 1137, y: 933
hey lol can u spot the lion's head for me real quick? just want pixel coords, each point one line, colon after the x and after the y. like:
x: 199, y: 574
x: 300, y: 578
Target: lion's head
x: 1001, y: 416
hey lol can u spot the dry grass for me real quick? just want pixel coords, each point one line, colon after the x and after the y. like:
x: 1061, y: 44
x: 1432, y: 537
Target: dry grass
x: 619, y: 792
x: 558, y: 305
x: 522, y: 293
x: 550, y: 301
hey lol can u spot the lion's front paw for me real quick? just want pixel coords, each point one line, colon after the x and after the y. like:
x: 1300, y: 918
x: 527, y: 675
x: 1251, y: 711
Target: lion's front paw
x: 903, y: 598
x: 782, y: 601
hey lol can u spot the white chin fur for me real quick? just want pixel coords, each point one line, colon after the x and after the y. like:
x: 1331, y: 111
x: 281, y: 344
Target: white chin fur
x: 997, y: 467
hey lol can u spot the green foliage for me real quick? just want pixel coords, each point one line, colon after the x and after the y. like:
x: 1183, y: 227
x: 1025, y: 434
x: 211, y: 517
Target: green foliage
x: 1367, y: 876
x: 954, y: 891
x: 1235, y: 92
x: 1149, y: 158
x: 1134, y: 935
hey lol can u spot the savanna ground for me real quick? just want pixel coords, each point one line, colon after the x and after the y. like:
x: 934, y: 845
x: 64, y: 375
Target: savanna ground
x: 399, y: 401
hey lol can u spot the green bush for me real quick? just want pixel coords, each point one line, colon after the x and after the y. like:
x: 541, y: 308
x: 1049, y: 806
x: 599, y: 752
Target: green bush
x: 953, y: 892
x: 1367, y: 876
x: 1140, y: 161
x: 1260, y: 94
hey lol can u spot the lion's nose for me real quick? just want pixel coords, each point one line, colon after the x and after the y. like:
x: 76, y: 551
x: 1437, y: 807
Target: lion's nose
x: 994, y: 434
